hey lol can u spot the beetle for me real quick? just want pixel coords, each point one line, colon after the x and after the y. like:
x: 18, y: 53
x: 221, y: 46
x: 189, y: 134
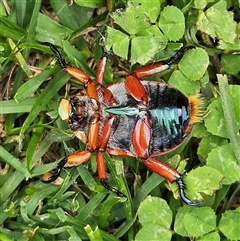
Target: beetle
x: 136, y: 118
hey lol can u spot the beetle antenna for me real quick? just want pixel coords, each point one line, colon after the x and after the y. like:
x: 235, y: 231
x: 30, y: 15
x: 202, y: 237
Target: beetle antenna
x: 182, y: 188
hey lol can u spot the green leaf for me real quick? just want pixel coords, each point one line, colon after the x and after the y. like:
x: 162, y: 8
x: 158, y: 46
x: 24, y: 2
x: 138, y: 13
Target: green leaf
x: 56, y: 83
x: 12, y: 161
x: 214, y: 121
x: 91, y: 3
x: 230, y: 63
x: 172, y: 23
x: 150, y: 8
x: 213, y: 236
x: 105, y: 210
x: 229, y: 224
x: 64, y: 13
x: 179, y: 227
x: 208, y: 22
x: 229, y: 46
x: 94, y: 235
x: 20, y: 58
x: 194, y: 63
x: 33, y: 143
x: 202, y: 4
x: 50, y: 31
x: 76, y: 58
x: 203, y: 180
x: 11, y: 106
x: 229, y: 115
x: 156, y: 217
x: 5, y: 237
x: 91, y: 205
x: 132, y: 20
x: 222, y: 158
x: 179, y: 81
x: 199, y: 221
x: 11, y: 30
x: 157, y: 209
x: 208, y: 143
x: 32, y: 85
x: 153, y: 232
x: 145, y: 47
x: 118, y: 41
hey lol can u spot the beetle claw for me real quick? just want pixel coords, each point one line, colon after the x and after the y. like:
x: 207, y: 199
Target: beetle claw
x: 48, y: 178
x: 105, y: 183
x: 182, y: 188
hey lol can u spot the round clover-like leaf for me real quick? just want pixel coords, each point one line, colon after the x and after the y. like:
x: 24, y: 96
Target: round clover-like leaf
x: 172, y: 23
x: 194, y: 64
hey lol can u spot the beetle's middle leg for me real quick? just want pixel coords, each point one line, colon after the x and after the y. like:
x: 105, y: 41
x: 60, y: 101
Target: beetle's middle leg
x: 105, y: 135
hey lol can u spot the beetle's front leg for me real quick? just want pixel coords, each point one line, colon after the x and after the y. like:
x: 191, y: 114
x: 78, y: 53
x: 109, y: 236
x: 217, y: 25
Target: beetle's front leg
x: 79, y: 157
x: 68, y: 161
x: 77, y: 74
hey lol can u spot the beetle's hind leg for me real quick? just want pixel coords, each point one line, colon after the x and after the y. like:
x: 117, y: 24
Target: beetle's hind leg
x: 171, y: 175
x: 161, y: 66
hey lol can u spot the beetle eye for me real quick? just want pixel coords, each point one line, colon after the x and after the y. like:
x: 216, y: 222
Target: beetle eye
x: 63, y: 109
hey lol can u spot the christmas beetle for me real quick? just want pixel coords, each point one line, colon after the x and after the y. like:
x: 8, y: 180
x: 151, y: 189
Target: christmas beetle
x: 136, y: 118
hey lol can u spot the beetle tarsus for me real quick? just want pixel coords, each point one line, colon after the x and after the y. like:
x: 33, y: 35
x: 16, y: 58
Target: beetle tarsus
x: 105, y: 183
x: 56, y: 172
x: 178, y: 55
x: 182, y: 188
x: 57, y: 54
x: 104, y: 54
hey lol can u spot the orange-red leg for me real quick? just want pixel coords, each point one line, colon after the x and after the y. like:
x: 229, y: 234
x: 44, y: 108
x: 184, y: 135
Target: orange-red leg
x: 142, y: 132
x: 108, y: 125
x: 159, y: 66
x: 171, y: 175
x: 103, y: 177
x: 93, y: 133
x: 101, y: 68
x: 141, y: 136
x: 79, y: 157
x: 136, y: 89
x: 68, y: 161
x: 76, y: 74
x: 106, y: 131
